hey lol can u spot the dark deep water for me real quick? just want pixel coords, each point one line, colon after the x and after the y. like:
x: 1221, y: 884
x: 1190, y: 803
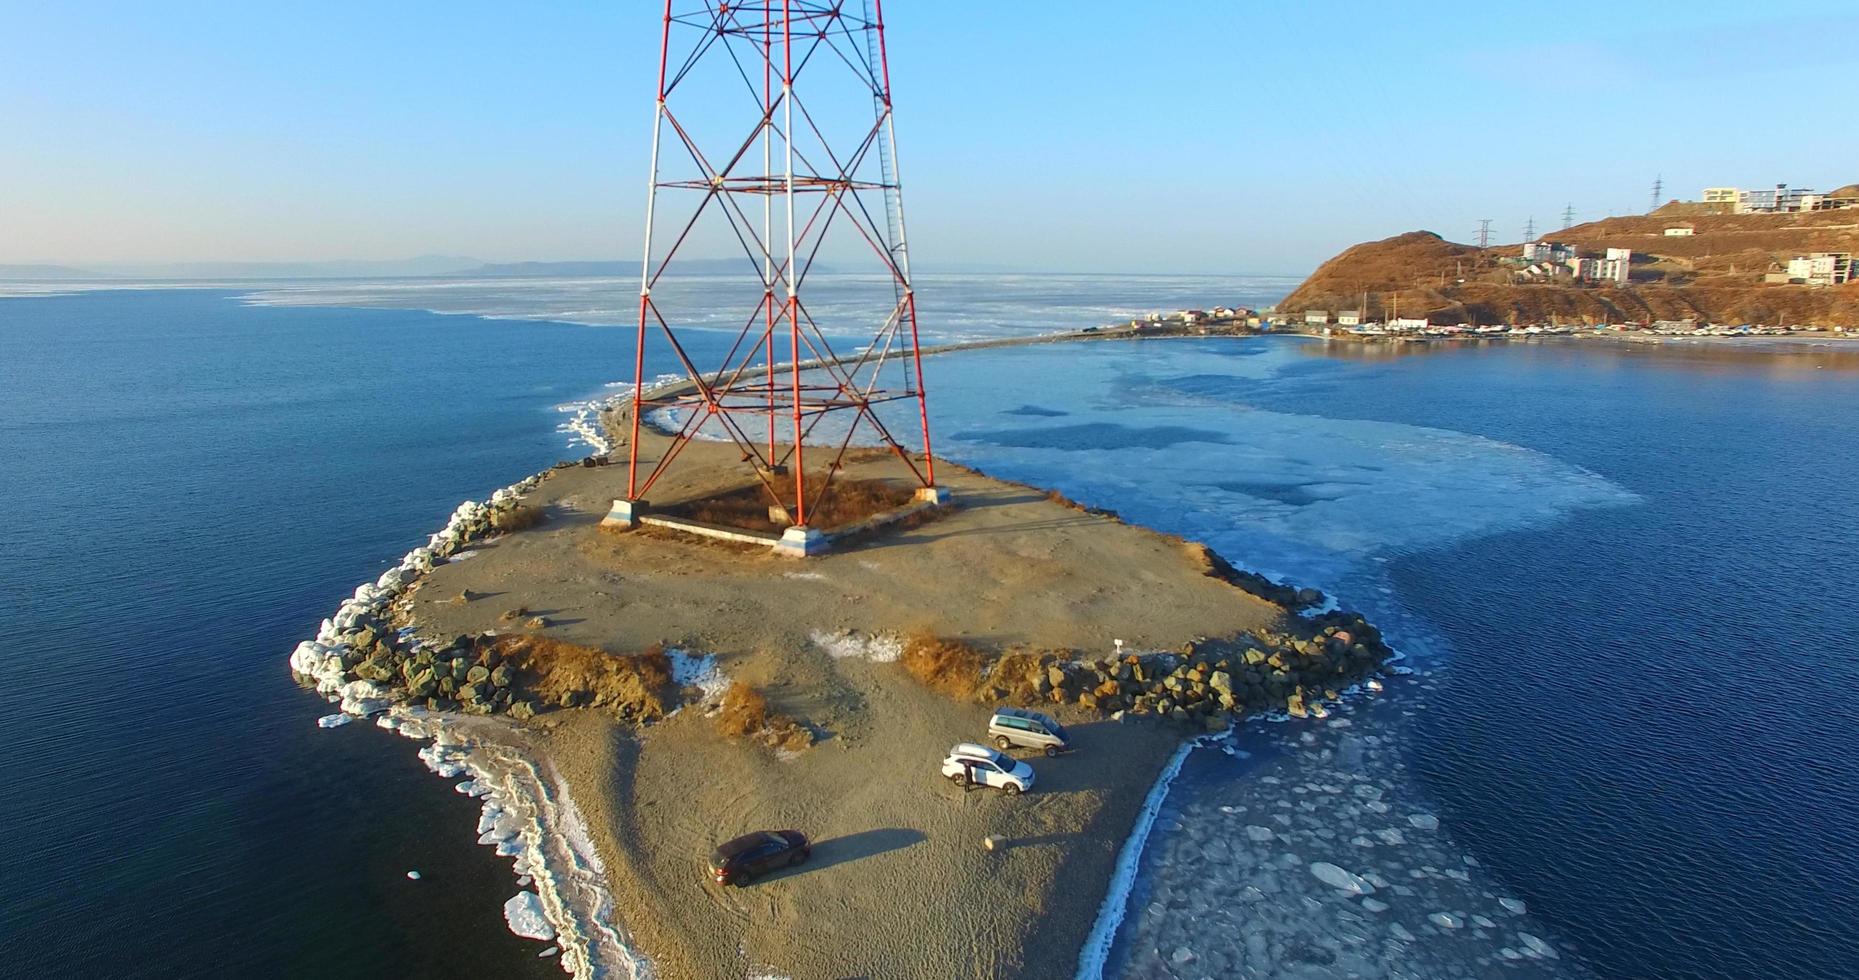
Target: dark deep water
x: 1648, y: 723
x: 1640, y: 717
x: 191, y: 485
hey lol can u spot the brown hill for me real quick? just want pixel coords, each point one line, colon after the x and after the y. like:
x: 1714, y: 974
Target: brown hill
x: 1715, y: 273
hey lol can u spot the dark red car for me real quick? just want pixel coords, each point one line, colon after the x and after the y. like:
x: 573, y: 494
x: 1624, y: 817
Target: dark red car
x: 750, y: 856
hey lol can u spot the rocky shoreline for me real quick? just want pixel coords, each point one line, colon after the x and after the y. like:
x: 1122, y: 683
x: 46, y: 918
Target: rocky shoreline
x: 368, y: 657
x: 368, y: 663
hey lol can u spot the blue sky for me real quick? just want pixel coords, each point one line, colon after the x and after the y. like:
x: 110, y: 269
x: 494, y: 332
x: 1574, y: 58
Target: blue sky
x: 1190, y: 136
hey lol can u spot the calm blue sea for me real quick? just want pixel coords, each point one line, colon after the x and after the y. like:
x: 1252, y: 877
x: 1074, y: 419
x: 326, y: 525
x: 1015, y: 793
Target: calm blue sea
x: 1625, y: 575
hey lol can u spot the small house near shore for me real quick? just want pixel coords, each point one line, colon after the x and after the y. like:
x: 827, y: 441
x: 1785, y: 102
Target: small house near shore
x: 1316, y: 317
x: 1348, y: 318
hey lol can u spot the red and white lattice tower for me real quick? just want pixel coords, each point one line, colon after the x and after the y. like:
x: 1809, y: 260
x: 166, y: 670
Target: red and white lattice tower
x: 774, y: 118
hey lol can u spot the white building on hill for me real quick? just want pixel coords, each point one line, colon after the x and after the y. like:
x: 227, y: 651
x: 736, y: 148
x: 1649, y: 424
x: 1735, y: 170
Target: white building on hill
x: 1618, y: 265
x: 1822, y: 268
x: 1547, y: 252
x: 1766, y: 200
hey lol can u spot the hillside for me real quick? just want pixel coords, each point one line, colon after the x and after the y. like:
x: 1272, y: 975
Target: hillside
x: 1714, y: 274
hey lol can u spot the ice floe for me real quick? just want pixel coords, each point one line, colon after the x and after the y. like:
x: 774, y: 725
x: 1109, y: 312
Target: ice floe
x: 1341, y: 879
x: 524, y: 914
x: 1537, y: 947
x: 1308, y: 864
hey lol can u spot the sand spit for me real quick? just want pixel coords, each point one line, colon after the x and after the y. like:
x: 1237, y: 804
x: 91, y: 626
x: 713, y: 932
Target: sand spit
x: 900, y: 884
x: 612, y: 817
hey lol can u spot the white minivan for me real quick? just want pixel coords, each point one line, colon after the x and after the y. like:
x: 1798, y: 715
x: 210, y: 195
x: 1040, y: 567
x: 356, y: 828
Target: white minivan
x: 969, y: 764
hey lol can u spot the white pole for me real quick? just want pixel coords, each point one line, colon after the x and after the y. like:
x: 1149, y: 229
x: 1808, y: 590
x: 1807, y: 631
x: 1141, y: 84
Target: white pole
x: 651, y: 199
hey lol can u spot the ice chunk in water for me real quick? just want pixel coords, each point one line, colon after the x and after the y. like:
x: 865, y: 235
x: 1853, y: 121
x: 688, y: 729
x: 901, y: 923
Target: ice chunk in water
x: 1445, y: 920
x: 333, y: 721
x: 1536, y: 947
x: 1338, y: 878
x: 1424, y: 821
x: 524, y: 914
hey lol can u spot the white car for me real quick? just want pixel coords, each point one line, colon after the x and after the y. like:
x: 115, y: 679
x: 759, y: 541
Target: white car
x: 969, y: 764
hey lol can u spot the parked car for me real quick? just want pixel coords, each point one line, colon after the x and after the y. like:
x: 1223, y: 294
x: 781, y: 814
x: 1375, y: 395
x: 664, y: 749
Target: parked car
x: 1028, y: 729
x: 969, y: 764
x: 750, y: 856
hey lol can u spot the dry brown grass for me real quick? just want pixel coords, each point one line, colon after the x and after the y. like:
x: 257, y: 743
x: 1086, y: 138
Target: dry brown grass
x: 1064, y: 501
x: 951, y: 667
x: 846, y: 501
x: 557, y: 672
x: 744, y: 714
x: 744, y: 711
x: 516, y: 518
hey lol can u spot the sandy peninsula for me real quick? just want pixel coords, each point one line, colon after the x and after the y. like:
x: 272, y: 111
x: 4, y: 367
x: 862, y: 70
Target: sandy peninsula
x: 900, y: 884
x: 529, y: 610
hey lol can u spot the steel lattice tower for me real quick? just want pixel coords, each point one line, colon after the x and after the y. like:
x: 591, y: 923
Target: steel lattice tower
x: 780, y: 163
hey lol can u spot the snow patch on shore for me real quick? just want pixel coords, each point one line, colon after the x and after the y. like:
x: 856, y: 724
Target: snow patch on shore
x: 528, y: 816
x: 699, y: 670
x: 1096, y: 950
x: 880, y: 648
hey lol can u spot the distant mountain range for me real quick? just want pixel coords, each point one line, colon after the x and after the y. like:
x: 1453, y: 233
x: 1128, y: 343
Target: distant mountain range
x: 423, y: 266
x: 44, y: 272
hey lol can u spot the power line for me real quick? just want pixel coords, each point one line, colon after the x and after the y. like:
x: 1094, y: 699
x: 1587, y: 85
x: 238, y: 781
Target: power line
x: 1658, y: 190
x: 1484, y: 232
x: 1568, y: 217
x: 1529, y: 229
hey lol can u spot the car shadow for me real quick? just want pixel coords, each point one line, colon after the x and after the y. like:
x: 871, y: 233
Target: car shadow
x: 864, y: 844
